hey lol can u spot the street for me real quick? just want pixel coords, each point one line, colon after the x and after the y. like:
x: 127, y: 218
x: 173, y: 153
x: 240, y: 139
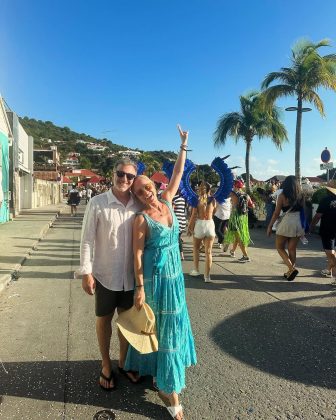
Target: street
x: 265, y: 346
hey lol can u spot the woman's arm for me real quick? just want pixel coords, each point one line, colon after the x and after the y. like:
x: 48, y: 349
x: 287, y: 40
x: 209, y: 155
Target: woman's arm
x: 276, y: 213
x: 174, y: 183
x: 192, y: 221
x: 139, y: 235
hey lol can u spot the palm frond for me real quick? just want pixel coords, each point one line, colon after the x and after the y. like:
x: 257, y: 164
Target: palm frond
x: 230, y: 124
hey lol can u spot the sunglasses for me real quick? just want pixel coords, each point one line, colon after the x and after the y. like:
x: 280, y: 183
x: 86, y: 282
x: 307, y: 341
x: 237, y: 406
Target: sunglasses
x: 147, y: 187
x: 121, y: 174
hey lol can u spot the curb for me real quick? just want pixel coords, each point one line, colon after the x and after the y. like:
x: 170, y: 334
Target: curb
x: 6, y: 279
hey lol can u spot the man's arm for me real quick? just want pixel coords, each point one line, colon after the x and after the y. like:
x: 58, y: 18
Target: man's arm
x: 86, y: 248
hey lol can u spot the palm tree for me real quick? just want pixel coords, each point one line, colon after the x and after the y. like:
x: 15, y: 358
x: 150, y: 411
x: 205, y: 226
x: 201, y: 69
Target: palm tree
x: 252, y: 120
x: 308, y: 72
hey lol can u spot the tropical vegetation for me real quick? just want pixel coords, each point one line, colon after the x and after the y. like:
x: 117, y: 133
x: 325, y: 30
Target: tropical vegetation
x: 253, y: 120
x: 308, y: 72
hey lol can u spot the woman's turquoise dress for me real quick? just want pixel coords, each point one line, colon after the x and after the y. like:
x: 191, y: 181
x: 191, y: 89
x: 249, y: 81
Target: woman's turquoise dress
x: 165, y: 294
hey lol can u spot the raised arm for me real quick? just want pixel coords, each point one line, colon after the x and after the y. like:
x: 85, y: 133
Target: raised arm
x: 174, y: 183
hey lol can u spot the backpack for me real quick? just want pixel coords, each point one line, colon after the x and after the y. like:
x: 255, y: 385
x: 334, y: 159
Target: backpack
x: 242, y: 206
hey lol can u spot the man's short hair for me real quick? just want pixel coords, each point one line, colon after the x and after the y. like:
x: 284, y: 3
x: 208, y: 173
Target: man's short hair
x: 125, y: 161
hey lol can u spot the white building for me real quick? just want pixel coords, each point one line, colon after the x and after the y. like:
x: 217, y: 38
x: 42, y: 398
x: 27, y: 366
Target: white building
x: 129, y: 153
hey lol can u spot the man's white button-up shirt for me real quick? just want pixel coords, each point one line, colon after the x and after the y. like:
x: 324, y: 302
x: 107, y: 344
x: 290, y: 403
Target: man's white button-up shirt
x: 106, y: 244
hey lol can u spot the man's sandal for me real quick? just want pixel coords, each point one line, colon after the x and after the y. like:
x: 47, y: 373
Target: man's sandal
x: 175, y: 410
x: 108, y: 379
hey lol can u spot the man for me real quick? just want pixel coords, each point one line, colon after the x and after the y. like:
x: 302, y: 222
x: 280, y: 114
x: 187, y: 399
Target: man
x: 107, y: 262
x: 326, y: 212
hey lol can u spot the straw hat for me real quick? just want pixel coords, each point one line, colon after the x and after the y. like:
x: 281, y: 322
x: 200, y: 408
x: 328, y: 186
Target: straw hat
x: 332, y: 190
x: 138, y: 327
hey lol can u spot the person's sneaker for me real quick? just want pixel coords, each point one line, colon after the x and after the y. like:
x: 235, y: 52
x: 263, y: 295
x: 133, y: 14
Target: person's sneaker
x: 207, y: 279
x: 326, y: 273
x: 232, y: 254
x: 194, y: 273
x: 244, y: 259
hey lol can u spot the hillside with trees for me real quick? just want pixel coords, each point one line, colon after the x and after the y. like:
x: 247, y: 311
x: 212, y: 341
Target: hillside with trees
x: 46, y: 134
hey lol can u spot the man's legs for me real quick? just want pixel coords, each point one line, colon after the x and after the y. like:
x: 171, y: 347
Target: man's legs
x: 104, y: 332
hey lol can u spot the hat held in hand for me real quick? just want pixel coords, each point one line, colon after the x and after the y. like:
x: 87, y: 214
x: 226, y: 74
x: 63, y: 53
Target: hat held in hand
x: 138, y: 327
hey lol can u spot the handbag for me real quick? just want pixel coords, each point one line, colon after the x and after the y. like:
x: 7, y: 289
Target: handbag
x: 280, y: 219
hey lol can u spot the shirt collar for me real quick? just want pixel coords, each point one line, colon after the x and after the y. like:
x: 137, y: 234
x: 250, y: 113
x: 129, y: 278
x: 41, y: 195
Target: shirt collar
x: 111, y: 198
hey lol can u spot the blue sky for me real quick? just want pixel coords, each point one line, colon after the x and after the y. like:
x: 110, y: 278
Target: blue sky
x: 131, y: 69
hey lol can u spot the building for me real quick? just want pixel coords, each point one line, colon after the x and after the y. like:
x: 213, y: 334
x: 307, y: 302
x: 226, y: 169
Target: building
x: 5, y: 141
x: 129, y: 153
x: 21, y: 166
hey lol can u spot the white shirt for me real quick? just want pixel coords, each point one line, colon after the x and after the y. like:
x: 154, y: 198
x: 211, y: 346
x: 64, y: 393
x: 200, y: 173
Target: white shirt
x: 223, y: 210
x: 106, y: 244
x: 89, y: 192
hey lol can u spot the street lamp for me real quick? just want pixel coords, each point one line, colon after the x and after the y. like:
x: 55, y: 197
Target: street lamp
x: 295, y: 108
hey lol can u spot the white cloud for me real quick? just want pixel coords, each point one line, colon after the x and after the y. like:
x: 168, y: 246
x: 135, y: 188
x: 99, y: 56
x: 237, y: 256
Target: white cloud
x: 272, y: 162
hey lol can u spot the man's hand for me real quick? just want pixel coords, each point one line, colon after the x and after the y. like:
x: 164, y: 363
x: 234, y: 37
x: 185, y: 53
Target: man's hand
x: 139, y: 297
x: 89, y: 284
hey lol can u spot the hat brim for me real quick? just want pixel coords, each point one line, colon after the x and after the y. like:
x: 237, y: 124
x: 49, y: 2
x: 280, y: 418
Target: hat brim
x: 144, y: 344
x: 332, y: 190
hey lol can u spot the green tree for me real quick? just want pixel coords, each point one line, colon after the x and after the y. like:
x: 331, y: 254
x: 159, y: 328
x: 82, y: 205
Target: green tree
x: 308, y: 72
x: 252, y: 120
x: 85, y: 163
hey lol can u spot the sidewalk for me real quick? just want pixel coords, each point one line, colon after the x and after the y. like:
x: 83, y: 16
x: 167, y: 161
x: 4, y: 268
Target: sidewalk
x: 19, y: 236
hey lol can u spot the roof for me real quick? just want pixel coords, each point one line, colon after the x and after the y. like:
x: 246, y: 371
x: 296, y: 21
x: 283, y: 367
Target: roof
x: 159, y: 177
x: 315, y: 179
x: 66, y: 180
x: 81, y: 172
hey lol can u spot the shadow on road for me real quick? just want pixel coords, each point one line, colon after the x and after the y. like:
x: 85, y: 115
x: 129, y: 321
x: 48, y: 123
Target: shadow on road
x: 76, y: 382
x: 282, y: 340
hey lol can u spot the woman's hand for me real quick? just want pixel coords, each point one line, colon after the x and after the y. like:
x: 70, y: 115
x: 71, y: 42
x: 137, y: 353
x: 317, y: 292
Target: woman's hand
x: 269, y: 231
x: 139, y: 297
x: 184, y: 135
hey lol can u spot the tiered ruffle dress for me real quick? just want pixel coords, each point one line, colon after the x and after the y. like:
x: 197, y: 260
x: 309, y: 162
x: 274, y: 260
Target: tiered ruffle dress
x: 165, y: 294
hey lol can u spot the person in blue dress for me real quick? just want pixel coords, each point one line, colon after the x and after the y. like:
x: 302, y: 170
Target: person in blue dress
x: 160, y: 283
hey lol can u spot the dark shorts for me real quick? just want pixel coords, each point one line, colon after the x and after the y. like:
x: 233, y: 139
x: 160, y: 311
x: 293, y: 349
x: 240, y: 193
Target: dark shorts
x: 328, y: 241
x: 108, y: 300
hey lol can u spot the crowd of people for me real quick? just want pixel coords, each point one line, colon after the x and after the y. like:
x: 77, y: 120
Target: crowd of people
x: 131, y: 253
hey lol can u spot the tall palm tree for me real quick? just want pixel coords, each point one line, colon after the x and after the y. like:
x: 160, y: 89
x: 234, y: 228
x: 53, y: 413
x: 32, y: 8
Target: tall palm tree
x: 308, y: 72
x: 252, y: 120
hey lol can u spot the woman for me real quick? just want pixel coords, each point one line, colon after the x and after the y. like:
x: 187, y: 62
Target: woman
x: 202, y: 227
x: 289, y: 229
x: 238, y: 230
x: 160, y: 282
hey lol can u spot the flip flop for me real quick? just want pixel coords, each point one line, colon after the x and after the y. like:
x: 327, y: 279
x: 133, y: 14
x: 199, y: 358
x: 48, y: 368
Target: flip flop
x: 292, y: 274
x: 125, y: 372
x: 108, y: 379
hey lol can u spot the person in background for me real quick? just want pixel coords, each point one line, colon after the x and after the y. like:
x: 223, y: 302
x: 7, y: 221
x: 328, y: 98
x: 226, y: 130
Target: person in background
x: 88, y: 194
x: 202, y: 227
x: 221, y: 219
x: 289, y: 229
x: 180, y: 209
x: 326, y: 212
x: 73, y: 199
x: 238, y: 231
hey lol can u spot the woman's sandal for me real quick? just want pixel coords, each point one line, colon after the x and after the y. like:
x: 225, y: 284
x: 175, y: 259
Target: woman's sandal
x: 175, y: 410
x: 126, y: 372
x: 291, y: 276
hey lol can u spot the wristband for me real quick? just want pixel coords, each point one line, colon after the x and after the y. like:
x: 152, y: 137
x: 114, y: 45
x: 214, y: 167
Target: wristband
x: 183, y: 148
x: 139, y: 285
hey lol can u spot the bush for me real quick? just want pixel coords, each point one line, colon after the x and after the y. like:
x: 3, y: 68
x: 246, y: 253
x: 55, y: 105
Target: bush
x: 319, y: 195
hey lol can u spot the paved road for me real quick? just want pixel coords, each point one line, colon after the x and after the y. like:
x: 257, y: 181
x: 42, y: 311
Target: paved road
x: 266, y: 347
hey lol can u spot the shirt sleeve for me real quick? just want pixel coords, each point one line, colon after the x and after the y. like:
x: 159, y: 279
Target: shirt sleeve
x: 323, y: 206
x: 89, y: 228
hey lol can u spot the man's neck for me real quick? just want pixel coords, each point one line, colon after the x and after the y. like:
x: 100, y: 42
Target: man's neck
x: 123, y: 197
